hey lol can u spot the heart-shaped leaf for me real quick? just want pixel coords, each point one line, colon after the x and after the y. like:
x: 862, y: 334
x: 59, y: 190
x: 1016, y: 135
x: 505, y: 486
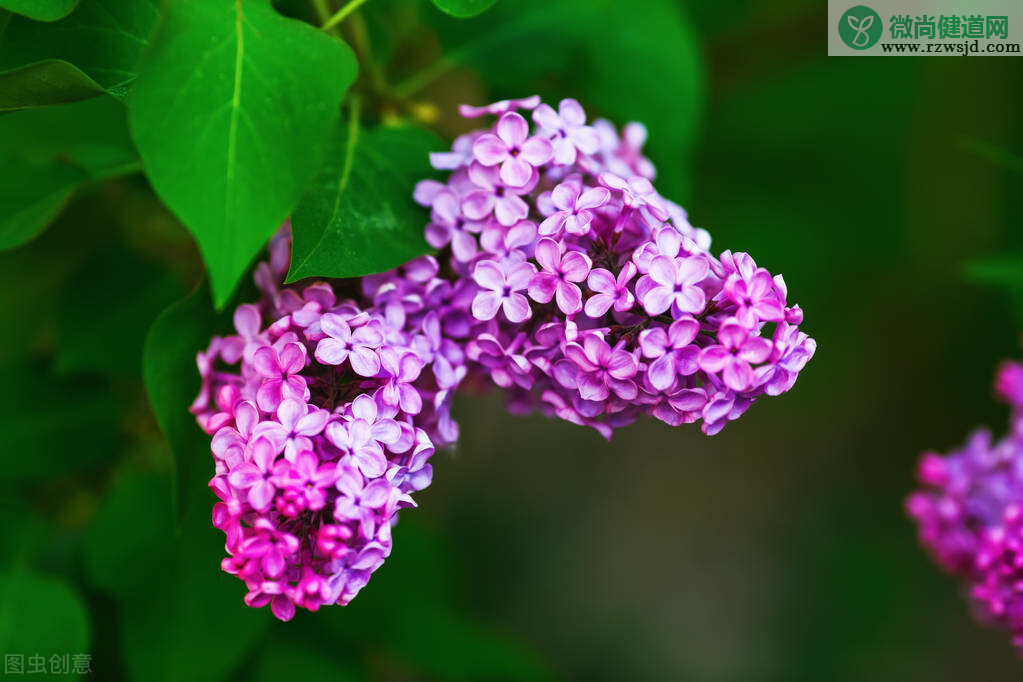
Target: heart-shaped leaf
x: 52, y: 81
x: 359, y: 216
x: 40, y: 10
x: 464, y: 8
x: 172, y: 378
x: 101, y: 38
x: 41, y: 616
x: 33, y: 195
x: 46, y: 154
x: 231, y: 113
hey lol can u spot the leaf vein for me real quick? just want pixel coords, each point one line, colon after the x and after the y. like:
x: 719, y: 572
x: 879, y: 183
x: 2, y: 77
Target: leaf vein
x: 236, y: 97
x: 346, y: 171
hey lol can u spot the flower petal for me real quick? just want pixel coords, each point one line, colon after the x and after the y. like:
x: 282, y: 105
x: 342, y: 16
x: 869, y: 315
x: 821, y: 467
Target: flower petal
x: 489, y: 149
x: 515, y: 171
x: 264, y: 361
x: 737, y: 374
x: 548, y: 254
x: 663, y: 271
x: 365, y: 362
x: 657, y: 300
x: 489, y: 275
x: 662, y: 372
x: 571, y: 112
x: 486, y: 305
x: 546, y: 117
x: 569, y: 297
x: 512, y: 129
x: 594, y: 197
x: 713, y: 358
x: 575, y: 266
x: 331, y: 351
x: 336, y: 326
x: 478, y: 205
x: 597, y: 305
x: 542, y: 287
x: 537, y: 151
x: 516, y: 308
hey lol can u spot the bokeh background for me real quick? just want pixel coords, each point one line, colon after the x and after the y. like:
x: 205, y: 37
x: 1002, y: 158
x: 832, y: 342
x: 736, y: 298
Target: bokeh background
x: 777, y: 550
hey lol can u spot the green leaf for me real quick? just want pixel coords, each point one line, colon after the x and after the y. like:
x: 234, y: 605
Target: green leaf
x: 32, y: 279
x: 52, y: 81
x: 102, y: 38
x: 464, y: 8
x: 31, y: 197
x: 51, y: 427
x: 194, y: 624
x: 134, y: 521
x: 359, y: 216
x: 94, y: 310
x: 172, y: 378
x: 231, y: 113
x: 46, y: 154
x: 40, y: 10
x: 41, y: 615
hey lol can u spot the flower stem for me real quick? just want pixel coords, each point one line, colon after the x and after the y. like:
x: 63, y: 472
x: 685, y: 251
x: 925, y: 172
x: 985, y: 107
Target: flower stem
x: 420, y: 80
x: 340, y: 15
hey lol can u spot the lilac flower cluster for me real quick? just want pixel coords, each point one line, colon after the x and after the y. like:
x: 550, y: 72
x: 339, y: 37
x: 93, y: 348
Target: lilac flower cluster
x: 589, y: 295
x: 969, y: 512
x: 567, y: 281
x: 323, y: 430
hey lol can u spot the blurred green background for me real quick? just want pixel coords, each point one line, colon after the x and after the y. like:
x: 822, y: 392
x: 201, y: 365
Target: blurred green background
x: 777, y: 550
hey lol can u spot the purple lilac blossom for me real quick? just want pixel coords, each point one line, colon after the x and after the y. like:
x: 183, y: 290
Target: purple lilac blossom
x: 575, y: 273
x: 324, y: 413
x: 969, y: 513
x: 563, y: 278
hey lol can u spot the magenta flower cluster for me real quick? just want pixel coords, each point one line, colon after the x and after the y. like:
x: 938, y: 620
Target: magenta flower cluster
x: 563, y: 277
x: 324, y: 429
x: 969, y: 512
x: 589, y: 295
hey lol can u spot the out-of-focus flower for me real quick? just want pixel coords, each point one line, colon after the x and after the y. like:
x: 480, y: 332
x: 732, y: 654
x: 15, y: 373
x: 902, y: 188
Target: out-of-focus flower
x: 968, y: 514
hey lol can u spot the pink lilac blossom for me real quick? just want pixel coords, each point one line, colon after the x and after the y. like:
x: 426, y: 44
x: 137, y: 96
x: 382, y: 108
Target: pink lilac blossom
x: 969, y: 513
x: 511, y: 147
x: 324, y: 412
x: 590, y: 297
x: 563, y: 278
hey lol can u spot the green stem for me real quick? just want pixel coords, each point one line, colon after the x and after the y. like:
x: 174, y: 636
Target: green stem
x: 321, y: 9
x: 418, y: 81
x: 463, y: 54
x: 340, y: 15
x: 354, y: 112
